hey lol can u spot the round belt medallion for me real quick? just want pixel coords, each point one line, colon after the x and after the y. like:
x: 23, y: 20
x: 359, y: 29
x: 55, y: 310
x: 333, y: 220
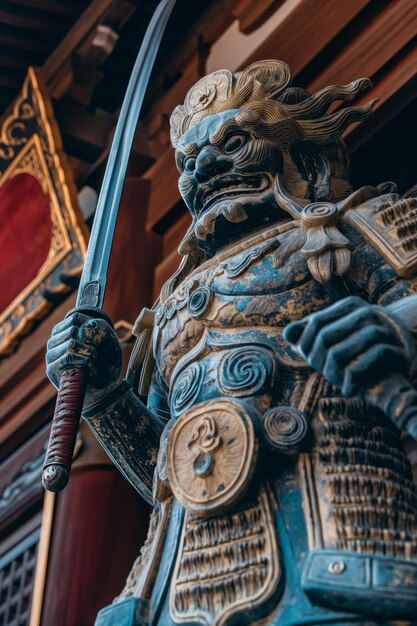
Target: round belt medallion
x: 211, y: 455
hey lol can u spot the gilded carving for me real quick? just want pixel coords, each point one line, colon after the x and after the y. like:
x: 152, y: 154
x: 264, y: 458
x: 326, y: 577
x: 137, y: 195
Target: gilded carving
x: 30, y: 145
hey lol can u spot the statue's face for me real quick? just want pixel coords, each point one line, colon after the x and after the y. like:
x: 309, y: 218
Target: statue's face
x: 227, y: 177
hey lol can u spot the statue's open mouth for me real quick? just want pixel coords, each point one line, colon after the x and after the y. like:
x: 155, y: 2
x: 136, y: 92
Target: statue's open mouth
x: 229, y: 186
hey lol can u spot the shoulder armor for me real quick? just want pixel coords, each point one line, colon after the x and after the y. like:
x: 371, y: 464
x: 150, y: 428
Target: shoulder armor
x: 389, y: 224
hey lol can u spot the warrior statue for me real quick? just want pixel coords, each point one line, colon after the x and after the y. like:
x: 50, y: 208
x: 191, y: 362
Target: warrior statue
x: 262, y: 410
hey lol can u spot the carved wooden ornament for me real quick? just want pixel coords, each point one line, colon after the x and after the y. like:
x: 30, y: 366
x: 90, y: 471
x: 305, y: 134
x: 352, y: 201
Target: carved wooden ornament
x: 42, y: 235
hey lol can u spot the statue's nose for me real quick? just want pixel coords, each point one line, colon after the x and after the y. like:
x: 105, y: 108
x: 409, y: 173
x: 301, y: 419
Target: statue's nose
x: 210, y: 162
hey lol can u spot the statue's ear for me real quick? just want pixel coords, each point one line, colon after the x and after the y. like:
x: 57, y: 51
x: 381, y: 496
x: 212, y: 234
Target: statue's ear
x: 314, y: 167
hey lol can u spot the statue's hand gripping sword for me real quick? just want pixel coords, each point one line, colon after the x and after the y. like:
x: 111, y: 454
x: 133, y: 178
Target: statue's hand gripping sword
x: 92, y: 287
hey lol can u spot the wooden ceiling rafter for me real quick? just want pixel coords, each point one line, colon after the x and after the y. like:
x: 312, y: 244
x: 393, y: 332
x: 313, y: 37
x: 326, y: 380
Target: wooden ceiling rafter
x: 14, y: 16
x: 90, y: 130
x: 51, y: 6
x: 177, y: 70
x: 19, y: 61
x: 190, y: 54
x: 252, y: 15
x: 395, y: 87
x: 373, y: 47
x: 96, y: 13
x: 17, y: 40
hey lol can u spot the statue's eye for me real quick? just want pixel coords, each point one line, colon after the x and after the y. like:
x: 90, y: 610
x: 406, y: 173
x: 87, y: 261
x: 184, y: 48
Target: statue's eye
x: 189, y: 164
x: 234, y: 142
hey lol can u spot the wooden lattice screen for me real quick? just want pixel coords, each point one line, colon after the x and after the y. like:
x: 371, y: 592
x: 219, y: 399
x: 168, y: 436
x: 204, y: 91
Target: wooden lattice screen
x: 17, y: 571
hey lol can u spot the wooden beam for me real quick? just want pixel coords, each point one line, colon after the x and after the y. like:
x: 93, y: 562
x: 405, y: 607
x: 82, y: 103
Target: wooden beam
x: 395, y: 88
x: 14, y: 38
x: 156, y: 122
x: 204, y: 32
x: 51, y: 6
x: 164, y: 270
x: 173, y: 236
x: 11, y: 79
x: 29, y: 21
x: 373, y: 46
x: 134, y: 255
x: 7, y: 96
x: 89, y: 131
x: 305, y: 28
x: 19, y: 59
x: 90, y: 18
x: 78, y: 167
x: 5, y: 101
x: 164, y: 195
x: 252, y: 15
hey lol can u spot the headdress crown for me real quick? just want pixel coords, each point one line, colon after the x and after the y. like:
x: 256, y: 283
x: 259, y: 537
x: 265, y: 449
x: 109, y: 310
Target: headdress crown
x: 265, y: 86
x: 222, y: 90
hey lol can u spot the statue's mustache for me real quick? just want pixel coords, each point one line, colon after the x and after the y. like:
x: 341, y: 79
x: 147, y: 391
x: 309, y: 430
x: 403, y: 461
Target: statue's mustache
x: 233, y: 212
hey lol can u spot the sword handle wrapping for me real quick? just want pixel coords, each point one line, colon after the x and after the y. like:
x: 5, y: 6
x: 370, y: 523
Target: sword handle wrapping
x: 57, y: 464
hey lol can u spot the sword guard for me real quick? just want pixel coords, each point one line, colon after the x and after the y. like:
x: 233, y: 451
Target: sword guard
x: 92, y: 311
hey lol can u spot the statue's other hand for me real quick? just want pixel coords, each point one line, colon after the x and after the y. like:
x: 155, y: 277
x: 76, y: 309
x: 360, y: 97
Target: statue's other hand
x: 354, y: 344
x: 84, y: 343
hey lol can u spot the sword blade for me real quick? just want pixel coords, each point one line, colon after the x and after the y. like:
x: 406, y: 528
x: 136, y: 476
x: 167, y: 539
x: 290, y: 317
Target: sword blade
x: 94, y: 276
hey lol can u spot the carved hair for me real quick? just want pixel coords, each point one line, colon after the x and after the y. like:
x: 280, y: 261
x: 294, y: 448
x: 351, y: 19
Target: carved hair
x: 264, y: 87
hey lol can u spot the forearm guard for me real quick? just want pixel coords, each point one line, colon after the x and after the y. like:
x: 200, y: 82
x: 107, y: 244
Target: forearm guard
x: 129, y: 433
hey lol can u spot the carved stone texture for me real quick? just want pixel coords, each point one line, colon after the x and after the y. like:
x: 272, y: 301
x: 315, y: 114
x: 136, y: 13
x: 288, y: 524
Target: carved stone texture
x: 211, y: 455
x: 225, y: 565
x: 279, y: 367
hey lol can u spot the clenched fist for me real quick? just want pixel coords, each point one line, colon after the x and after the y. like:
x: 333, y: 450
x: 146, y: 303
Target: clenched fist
x: 354, y: 344
x: 82, y: 342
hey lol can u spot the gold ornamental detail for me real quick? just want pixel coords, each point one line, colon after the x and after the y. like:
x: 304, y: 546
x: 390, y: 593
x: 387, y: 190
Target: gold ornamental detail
x: 211, y: 455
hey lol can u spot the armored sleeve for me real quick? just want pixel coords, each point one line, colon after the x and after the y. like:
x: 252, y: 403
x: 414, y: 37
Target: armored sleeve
x: 384, y: 263
x: 130, y: 434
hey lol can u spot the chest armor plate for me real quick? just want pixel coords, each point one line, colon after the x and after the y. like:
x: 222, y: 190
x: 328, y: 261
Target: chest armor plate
x: 243, y: 300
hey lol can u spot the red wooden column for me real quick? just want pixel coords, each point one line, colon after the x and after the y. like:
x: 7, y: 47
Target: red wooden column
x: 100, y: 521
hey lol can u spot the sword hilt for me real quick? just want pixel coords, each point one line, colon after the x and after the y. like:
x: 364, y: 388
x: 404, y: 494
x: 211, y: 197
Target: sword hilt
x: 67, y: 415
x: 58, y: 459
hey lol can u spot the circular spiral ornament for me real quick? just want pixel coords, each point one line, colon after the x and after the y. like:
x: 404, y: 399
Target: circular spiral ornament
x: 286, y: 429
x: 200, y: 301
x: 318, y: 214
x: 245, y: 371
x: 186, y: 387
x: 211, y: 455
